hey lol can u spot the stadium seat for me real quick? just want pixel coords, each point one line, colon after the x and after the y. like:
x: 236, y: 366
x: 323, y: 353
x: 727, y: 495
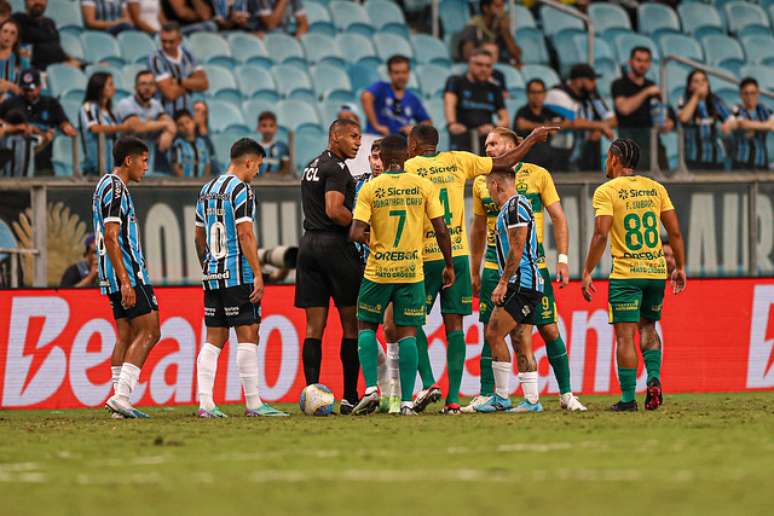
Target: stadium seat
x: 413, y: 83
x: 292, y: 113
x: 72, y: 109
x: 654, y: 18
x: 699, y: 19
x: 513, y: 79
x: 555, y: 21
x: 63, y: 78
x: 432, y: 79
x: 249, y: 49
x: 208, y: 47
x: 292, y: 82
x: 759, y: 49
x: 524, y: 18
x: 135, y: 46
x: 222, y: 84
x: 533, y: 46
x: 254, y: 107
x: 746, y: 18
x: 320, y: 48
x: 329, y: 109
x: 329, y: 79
x: 677, y: 74
x: 624, y: 43
x: 454, y: 15
x: 100, y: 46
x: 434, y: 108
x: 723, y: 51
x: 350, y: 17
x: 681, y: 45
x: 115, y: 72
x: 222, y: 143
x: 285, y: 49
x: 67, y: 15
x: 388, y: 45
x: 763, y: 74
x: 224, y: 115
x: 356, y: 48
x: 606, y: 16
x: 72, y: 45
x: 730, y: 96
x: 383, y: 14
x: 256, y: 82
x: 129, y: 72
x: 309, y: 143
x: 62, y: 154
x: 428, y: 49
x: 319, y: 19
x: 542, y: 72
x: 362, y: 77
x: 572, y: 48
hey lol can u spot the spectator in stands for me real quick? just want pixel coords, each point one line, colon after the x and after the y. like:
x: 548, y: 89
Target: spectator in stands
x: 190, y: 156
x: 176, y: 70
x: 231, y: 15
x: 11, y: 60
x: 638, y: 105
x: 84, y: 273
x: 41, y: 32
x: 107, y: 15
x: 201, y: 114
x: 96, y: 117
x: 753, y: 122
x: 347, y: 113
x: 277, y: 160
x: 190, y: 15
x: 700, y: 111
x: 491, y: 26
x: 5, y: 10
x: 41, y: 115
x: 532, y: 115
x: 280, y: 15
x: 143, y: 115
x: 146, y: 15
x: 471, y: 101
x: 389, y: 106
x: 578, y: 102
x: 498, y: 77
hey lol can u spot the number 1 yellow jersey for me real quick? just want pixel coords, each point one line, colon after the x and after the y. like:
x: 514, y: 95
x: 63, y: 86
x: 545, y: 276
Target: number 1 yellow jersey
x: 484, y: 205
x: 396, y: 205
x: 449, y: 171
x: 636, y: 204
x: 536, y: 184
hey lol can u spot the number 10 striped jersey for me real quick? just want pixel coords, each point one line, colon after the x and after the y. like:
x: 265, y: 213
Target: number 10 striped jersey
x: 223, y: 203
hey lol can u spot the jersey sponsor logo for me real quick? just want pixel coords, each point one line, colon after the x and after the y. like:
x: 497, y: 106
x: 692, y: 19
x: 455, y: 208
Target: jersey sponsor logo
x: 310, y: 174
x: 396, y: 256
x: 231, y: 311
x: 647, y: 255
x: 633, y: 192
x: 217, y: 276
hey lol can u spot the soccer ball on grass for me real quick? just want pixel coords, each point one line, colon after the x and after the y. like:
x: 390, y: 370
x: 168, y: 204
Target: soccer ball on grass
x: 317, y: 400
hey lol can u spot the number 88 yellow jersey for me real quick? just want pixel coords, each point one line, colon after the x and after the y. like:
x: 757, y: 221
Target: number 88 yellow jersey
x: 636, y: 204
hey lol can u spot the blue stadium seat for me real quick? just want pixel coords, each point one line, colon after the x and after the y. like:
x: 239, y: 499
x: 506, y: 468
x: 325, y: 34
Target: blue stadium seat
x: 256, y: 82
x: 249, y: 49
x: 428, y: 49
x: 293, y: 82
x: 254, y: 107
x: 513, y: 79
x: 763, y: 74
x: 572, y: 48
x: 362, y: 76
x: 309, y: 142
x: 62, y: 155
x: 654, y: 18
x: 72, y: 45
x: 434, y: 108
x: 100, y: 46
x: 208, y: 47
x: 319, y: 19
x: 624, y: 43
x: 225, y: 115
x: 292, y: 113
x: 759, y: 49
x: 67, y: 15
x: 329, y: 79
x: 387, y: 45
x: 432, y: 79
x: 454, y: 15
x: 533, y: 46
x: 320, y: 48
x: 730, y: 96
x: 72, y: 109
x: 285, y: 49
x: 356, y: 48
x: 524, y: 18
x: 723, y: 51
x: 383, y: 14
x: 222, y: 143
x: 129, y: 72
x: 677, y: 74
x: 329, y: 109
x: 222, y: 84
x: 606, y: 16
x: 536, y: 71
x: 135, y: 46
x: 699, y: 19
x: 115, y: 72
x: 555, y: 21
x: 63, y: 78
x: 350, y: 17
x: 746, y: 18
x: 681, y: 45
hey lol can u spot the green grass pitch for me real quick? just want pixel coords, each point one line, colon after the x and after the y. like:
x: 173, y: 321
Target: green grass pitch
x: 699, y: 454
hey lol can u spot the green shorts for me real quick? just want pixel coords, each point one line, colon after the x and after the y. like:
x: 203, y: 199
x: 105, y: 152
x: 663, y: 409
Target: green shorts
x: 407, y: 302
x: 545, y: 311
x: 457, y: 299
x: 489, y: 279
x: 631, y: 299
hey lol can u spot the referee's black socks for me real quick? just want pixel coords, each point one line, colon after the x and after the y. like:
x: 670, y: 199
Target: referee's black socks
x: 350, y: 363
x: 312, y: 356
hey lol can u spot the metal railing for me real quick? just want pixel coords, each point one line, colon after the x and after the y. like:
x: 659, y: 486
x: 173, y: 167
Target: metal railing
x: 586, y: 19
x: 15, y: 254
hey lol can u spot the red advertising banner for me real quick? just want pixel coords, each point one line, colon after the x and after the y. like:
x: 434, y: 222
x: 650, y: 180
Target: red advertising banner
x: 55, y: 346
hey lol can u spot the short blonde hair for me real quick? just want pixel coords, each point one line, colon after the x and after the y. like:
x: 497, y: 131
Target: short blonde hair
x: 507, y: 133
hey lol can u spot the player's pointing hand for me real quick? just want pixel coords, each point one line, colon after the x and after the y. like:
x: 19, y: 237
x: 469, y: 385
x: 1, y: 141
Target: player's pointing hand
x: 587, y: 286
x: 542, y: 133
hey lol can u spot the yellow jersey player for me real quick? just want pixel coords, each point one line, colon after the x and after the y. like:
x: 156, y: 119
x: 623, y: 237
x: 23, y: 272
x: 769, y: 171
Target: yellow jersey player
x: 449, y: 171
x: 534, y: 183
x: 389, y: 216
x: 630, y: 206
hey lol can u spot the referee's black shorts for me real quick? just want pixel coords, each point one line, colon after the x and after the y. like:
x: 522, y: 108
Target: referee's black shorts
x: 328, y: 266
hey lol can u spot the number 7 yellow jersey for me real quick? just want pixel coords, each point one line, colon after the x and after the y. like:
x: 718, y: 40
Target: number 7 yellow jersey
x: 396, y: 205
x: 449, y: 171
x: 636, y: 204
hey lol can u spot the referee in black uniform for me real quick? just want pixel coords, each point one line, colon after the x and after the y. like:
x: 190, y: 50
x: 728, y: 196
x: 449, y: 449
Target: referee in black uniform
x: 328, y: 263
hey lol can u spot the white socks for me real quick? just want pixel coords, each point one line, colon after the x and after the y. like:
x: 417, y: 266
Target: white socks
x: 115, y: 372
x: 127, y: 380
x: 394, y: 369
x: 383, y: 369
x: 529, y: 384
x: 206, y: 368
x: 247, y: 362
x: 502, y: 374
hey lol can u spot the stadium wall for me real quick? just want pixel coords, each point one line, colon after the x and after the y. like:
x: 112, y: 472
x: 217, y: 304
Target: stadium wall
x: 55, y: 346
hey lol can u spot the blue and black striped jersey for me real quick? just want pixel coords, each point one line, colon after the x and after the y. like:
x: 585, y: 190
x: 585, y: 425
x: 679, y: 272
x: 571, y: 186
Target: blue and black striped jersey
x: 517, y: 212
x: 224, y: 203
x: 113, y: 203
x: 163, y: 67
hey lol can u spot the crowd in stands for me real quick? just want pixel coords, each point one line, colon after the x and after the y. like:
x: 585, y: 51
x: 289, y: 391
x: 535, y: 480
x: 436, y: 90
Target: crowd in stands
x: 496, y: 83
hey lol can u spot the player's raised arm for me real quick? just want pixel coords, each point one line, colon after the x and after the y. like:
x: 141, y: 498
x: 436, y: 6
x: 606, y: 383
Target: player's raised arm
x: 510, y: 158
x: 672, y: 225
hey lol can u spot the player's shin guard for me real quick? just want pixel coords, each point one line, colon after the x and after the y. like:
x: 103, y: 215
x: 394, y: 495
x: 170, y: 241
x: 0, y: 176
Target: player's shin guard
x: 487, y: 376
x: 351, y: 366
x: 127, y: 380
x: 408, y: 361
x: 312, y: 356
x: 627, y: 378
x: 383, y: 368
x: 424, y: 367
x: 557, y: 357
x: 455, y: 363
x: 366, y: 350
x: 206, y: 368
x: 115, y: 373
x: 502, y: 374
x: 529, y: 385
x: 247, y: 363
x: 652, y: 358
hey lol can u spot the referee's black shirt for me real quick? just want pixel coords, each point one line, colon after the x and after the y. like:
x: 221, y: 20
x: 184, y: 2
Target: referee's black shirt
x: 325, y: 173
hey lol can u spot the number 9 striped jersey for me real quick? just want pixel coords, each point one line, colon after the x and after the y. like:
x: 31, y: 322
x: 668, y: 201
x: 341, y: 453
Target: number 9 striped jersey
x: 636, y: 204
x: 225, y: 202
